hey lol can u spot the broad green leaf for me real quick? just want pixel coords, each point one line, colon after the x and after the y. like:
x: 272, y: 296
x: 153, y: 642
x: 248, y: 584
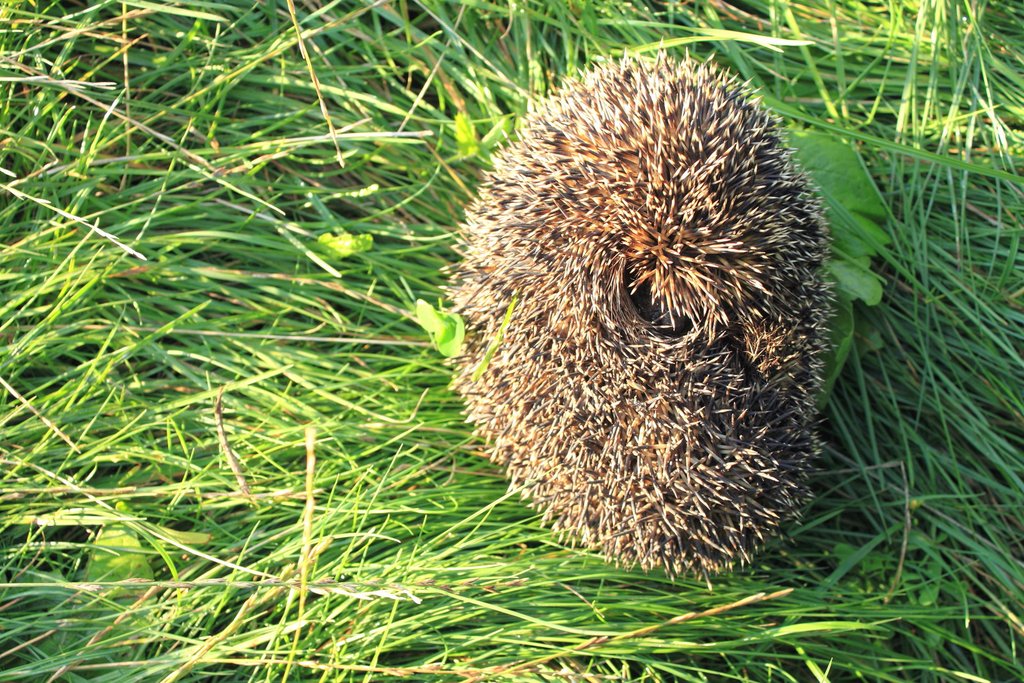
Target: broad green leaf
x: 117, y: 555
x: 872, y: 233
x: 836, y: 169
x: 465, y: 136
x: 855, y: 279
x: 855, y: 211
x: 853, y: 235
x: 854, y: 207
x: 842, y: 342
x: 344, y: 244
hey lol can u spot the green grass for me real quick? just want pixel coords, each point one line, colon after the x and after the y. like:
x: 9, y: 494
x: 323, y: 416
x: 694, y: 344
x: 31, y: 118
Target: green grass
x: 388, y: 548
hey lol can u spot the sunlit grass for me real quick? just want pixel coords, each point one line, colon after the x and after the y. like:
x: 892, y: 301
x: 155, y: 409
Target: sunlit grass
x: 193, y: 134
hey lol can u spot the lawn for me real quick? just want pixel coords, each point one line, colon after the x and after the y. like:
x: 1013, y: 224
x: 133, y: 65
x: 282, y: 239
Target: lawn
x: 230, y: 452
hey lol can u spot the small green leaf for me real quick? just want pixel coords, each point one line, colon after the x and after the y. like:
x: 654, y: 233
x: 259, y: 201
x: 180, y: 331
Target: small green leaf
x: 854, y: 278
x: 344, y: 244
x: 876, y: 563
x: 428, y: 318
x: 928, y: 595
x: 844, y: 551
x: 465, y: 136
x: 449, y: 343
x: 447, y: 330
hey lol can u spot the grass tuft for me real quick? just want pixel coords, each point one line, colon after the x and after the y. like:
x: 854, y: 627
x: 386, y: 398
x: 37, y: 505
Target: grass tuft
x: 229, y: 451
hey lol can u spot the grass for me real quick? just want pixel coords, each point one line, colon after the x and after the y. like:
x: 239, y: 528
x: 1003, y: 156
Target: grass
x: 238, y: 459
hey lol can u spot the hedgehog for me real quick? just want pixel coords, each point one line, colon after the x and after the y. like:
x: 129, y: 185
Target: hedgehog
x: 654, y: 389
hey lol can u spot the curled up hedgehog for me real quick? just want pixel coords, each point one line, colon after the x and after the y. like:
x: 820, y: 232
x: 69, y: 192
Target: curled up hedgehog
x: 654, y: 390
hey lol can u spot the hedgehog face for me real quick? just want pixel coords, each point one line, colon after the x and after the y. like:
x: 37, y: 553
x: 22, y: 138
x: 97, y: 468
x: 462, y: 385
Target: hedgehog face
x: 709, y: 238
x: 654, y: 394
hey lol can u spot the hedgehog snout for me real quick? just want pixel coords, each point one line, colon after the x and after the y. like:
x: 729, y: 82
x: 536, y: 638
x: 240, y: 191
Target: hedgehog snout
x: 652, y: 310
